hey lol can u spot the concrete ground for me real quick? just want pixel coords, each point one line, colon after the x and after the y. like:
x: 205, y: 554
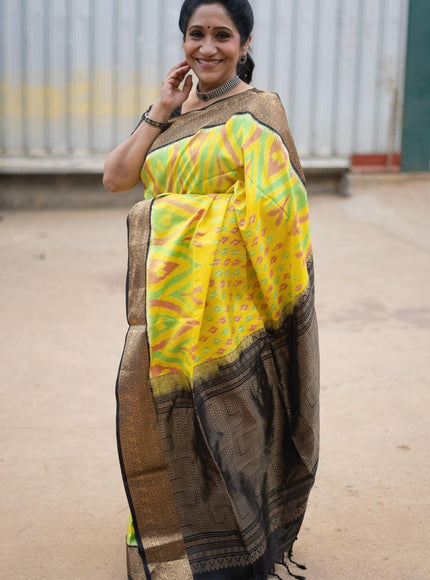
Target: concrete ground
x: 63, y: 509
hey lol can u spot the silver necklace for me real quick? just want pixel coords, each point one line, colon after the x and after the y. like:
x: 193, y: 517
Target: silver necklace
x: 219, y: 91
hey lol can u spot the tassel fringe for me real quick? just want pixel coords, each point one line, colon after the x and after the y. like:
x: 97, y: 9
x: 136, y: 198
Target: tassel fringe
x: 290, y: 557
x: 286, y: 566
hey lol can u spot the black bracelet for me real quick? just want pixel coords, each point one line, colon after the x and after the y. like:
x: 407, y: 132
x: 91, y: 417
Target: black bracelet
x: 163, y: 125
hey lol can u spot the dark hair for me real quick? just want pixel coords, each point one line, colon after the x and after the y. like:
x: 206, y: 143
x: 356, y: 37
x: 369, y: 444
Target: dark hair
x: 240, y: 12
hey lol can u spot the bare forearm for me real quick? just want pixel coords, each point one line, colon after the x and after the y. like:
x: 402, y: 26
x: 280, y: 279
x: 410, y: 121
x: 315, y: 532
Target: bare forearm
x: 123, y: 166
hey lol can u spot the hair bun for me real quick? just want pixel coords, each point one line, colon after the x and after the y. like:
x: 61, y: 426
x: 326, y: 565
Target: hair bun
x: 245, y: 69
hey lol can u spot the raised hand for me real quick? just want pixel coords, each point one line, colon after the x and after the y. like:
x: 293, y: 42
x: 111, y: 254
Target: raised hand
x: 171, y: 95
x: 123, y: 165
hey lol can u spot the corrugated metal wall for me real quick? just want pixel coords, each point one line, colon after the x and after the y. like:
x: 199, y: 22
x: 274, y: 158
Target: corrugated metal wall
x: 76, y: 74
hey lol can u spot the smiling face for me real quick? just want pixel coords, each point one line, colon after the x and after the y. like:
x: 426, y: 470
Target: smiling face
x: 212, y: 46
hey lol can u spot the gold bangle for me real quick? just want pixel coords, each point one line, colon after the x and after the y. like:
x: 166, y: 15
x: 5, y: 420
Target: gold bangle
x: 163, y: 125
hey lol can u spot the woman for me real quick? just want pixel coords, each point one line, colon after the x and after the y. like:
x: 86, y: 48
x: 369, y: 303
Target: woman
x: 218, y: 385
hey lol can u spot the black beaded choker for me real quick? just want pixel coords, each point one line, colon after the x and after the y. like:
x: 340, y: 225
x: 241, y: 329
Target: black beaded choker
x: 219, y: 91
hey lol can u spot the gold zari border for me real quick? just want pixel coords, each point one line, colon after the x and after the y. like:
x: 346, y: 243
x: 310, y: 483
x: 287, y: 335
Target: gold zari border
x: 143, y: 460
x: 265, y: 107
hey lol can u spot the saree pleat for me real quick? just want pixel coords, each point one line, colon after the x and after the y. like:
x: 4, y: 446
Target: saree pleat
x: 218, y: 419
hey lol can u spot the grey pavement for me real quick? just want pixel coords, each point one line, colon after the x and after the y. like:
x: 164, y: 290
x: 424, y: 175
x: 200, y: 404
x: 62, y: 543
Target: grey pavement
x: 63, y: 509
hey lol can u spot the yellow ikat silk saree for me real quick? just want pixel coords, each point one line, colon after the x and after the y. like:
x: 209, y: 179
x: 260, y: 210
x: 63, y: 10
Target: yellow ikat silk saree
x: 218, y: 384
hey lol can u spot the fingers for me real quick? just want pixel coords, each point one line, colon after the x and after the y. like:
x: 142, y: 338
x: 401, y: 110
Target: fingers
x: 171, y: 91
x: 179, y: 70
x: 177, y: 74
x: 188, y: 85
x: 175, y: 69
x: 180, y: 64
